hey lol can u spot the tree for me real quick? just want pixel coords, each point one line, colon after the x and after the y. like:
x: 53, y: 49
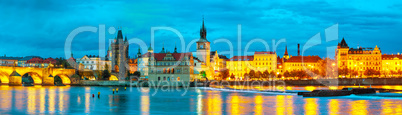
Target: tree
x: 251, y: 73
x: 286, y: 74
x: 232, y: 76
x: 265, y: 74
x: 246, y: 76
x: 369, y: 72
x: 106, y: 73
x: 137, y: 74
x: 258, y: 75
x: 271, y: 74
x: 343, y: 71
x: 224, y: 73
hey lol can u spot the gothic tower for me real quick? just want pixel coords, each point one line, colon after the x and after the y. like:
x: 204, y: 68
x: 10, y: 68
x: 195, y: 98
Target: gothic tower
x: 203, y: 48
x: 119, y: 55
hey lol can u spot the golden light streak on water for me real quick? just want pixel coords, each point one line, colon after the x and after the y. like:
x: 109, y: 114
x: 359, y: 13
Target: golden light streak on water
x: 31, y: 102
x: 6, y: 97
x: 289, y: 105
x: 214, y: 103
x: 386, y: 107
x: 87, y: 98
x: 280, y: 105
x: 234, y: 104
x: 333, y: 107
x: 310, y: 106
x: 145, y: 103
x: 259, y: 102
x: 61, y: 97
x: 51, y: 99
x: 359, y: 107
x: 199, y: 101
x: 42, y: 99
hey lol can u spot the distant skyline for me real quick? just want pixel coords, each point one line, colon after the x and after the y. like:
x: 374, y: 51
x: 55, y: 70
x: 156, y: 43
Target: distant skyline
x: 40, y: 27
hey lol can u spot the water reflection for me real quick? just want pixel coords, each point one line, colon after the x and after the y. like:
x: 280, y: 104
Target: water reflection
x: 259, y: 102
x: 311, y: 106
x: 333, y: 107
x: 145, y: 102
x: 79, y: 100
x: 359, y: 107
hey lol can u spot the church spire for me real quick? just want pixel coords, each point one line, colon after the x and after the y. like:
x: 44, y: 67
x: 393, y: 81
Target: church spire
x: 175, y: 48
x: 286, y: 50
x: 163, y: 48
x: 203, y: 31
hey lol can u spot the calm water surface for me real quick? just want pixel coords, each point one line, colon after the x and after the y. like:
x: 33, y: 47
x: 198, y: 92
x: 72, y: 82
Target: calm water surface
x: 78, y: 100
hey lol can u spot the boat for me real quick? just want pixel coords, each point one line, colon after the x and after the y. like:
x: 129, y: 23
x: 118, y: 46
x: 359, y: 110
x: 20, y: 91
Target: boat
x: 358, y: 91
x: 343, y: 92
x: 325, y: 93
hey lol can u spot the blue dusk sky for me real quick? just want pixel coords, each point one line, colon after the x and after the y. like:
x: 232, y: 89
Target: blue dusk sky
x: 40, y: 27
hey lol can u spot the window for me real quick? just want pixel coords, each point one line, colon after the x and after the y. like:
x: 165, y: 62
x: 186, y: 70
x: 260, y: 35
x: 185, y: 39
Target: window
x: 178, y: 78
x: 159, y: 78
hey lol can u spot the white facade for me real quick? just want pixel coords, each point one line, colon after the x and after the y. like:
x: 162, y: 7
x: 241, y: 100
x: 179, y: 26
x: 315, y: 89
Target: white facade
x: 93, y: 62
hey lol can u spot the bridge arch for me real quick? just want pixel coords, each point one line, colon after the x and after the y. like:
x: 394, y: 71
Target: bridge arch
x: 4, y: 78
x: 37, y: 79
x: 64, y: 78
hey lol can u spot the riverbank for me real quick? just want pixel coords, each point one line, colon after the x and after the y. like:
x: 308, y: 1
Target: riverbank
x: 319, y: 82
x: 103, y: 83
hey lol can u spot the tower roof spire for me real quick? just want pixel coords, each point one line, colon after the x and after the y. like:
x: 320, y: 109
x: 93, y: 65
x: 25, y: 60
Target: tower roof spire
x: 150, y: 47
x: 203, y: 31
x: 343, y: 44
x: 175, y: 48
x: 286, y: 50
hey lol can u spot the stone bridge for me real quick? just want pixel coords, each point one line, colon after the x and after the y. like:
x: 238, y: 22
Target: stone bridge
x: 40, y: 76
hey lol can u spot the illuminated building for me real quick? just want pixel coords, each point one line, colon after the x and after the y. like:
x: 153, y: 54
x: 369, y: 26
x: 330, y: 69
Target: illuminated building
x: 92, y: 62
x: 142, y: 62
x: 118, y: 55
x: 22, y: 62
x: 391, y: 64
x: 298, y: 63
x: 239, y: 65
x: 172, y: 69
x: 39, y: 62
x: 358, y: 60
x: 8, y: 61
x: 260, y: 61
x: 218, y: 62
x: 132, y: 63
x: 203, y: 53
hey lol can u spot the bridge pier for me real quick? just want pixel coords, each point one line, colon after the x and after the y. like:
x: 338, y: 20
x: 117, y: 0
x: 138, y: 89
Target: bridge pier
x: 47, y: 80
x: 15, y: 81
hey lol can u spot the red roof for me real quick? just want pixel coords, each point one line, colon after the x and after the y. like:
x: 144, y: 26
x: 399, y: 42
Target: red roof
x: 35, y: 60
x: 269, y: 52
x: 39, y: 60
x: 389, y: 57
x: 242, y: 58
x: 50, y: 60
x: 304, y: 59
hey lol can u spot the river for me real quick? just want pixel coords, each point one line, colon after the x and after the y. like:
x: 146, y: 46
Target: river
x: 79, y: 100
